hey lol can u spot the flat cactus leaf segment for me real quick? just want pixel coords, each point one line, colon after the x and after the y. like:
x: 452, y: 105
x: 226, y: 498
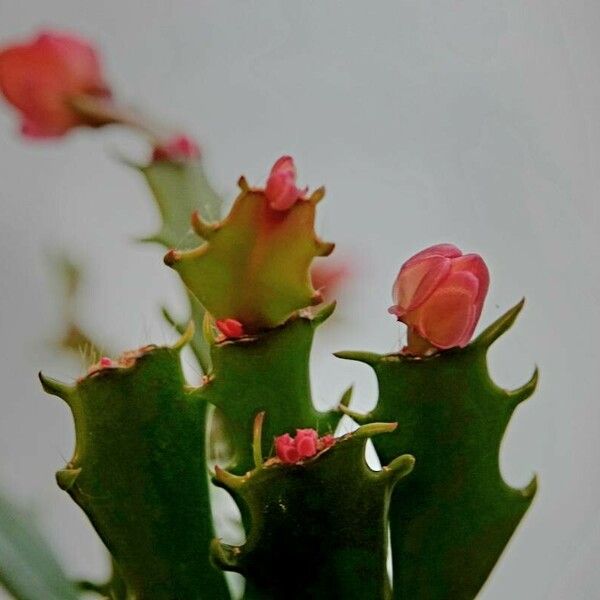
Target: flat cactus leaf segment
x: 268, y: 372
x: 180, y: 189
x: 139, y: 473
x: 319, y: 528
x: 451, y: 520
x: 255, y: 264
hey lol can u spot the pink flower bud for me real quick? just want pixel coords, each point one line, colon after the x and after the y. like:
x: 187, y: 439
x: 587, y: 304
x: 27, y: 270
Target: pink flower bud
x: 439, y: 295
x: 281, y: 191
x: 285, y: 447
x: 105, y: 362
x: 40, y: 77
x: 306, y: 442
x: 230, y: 328
x: 178, y: 149
x: 326, y: 442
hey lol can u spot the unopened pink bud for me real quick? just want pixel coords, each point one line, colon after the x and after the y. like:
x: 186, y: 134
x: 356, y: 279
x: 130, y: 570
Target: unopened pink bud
x: 326, y: 441
x: 285, y: 447
x: 439, y: 295
x: 230, y: 328
x: 178, y: 149
x: 281, y: 191
x: 105, y: 362
x: 306, y: 442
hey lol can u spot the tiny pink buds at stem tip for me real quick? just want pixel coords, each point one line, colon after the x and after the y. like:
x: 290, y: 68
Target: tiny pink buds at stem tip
x: 305, y: 444
x: 179, y: 148
x: 281, y: 191
x: 230, y: 328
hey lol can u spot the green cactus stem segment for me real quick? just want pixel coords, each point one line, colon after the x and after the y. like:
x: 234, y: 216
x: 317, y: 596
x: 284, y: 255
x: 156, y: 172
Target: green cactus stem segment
x: 267, y: 372
x: 318, y: 528
x: 451, y: 520
x: 139, y: 473
x: 255, y: 264
x: 179, y: 189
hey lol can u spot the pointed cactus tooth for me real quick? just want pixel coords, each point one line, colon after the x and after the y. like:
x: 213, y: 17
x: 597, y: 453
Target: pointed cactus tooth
x: 224, y: 556
x: 369, y: 358
x: 317, y: 195
x: 171, y: 257
x: 487, y: 337
x: 243, y: 184
x: 372, y: 429
x: 57, y: 388
x: 525, y: 391
x: 321, y: 314
x: 201, y: 227
x: 227, y: 479
x: 66, y: 478
x: 257, y: 439
x: 186, y: 336
x: 361, y: 419
x: 346, y: 397
x: 400, y: 467
x: 530, y: 489
x: 325, y: 248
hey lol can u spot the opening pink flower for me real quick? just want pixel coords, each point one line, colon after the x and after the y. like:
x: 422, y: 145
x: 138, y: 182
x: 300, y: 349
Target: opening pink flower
x: 41, y: 78
x: 439, y: 295
x: 281, y: 191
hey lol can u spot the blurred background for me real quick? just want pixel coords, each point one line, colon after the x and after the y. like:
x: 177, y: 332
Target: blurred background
x: 472, y: 122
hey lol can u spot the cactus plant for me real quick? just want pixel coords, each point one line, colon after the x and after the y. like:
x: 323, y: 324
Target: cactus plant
x: 316, y: 515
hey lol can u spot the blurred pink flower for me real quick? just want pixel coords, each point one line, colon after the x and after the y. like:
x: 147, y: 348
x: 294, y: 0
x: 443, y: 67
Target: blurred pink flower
x: 41, y: 78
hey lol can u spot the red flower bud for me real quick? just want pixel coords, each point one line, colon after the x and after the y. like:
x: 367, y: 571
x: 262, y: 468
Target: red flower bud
x: 306, y: 442
x: 41, y: 77
x: 439, y: 295
x: 230, y: 328
x: 285, y: 447
x: 281, y: 191
x: 178, y: 149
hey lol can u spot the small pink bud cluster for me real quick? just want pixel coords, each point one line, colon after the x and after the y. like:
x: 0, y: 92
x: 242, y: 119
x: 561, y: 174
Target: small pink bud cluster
x: 305, y: 444
x: 281, y: 191
x: 230, y: 329
x: 178, y: 149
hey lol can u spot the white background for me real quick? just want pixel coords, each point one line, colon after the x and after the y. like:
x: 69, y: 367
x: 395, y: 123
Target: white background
x: 472, y: 122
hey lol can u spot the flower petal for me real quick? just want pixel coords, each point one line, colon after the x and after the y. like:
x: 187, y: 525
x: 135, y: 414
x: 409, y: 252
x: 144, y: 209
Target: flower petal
x: 416, y: 281
x: 449, y: 316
